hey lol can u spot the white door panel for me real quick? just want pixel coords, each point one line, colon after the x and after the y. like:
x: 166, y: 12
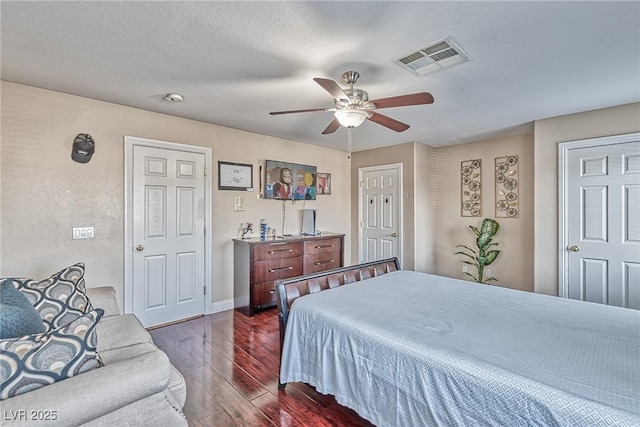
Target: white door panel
x: 388, y: 211
x: 602, y: 223
x: 387, y: 248
x: 379, y: 212
x: 631, y: 278
x: 168, y: 234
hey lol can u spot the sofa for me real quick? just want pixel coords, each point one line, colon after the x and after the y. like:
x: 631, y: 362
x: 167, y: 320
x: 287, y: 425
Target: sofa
x: 136, y: 386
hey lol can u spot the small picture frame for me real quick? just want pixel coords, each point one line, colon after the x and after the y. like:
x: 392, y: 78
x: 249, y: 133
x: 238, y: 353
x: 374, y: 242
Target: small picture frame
x: 324, y: 184
x: 235, y: 176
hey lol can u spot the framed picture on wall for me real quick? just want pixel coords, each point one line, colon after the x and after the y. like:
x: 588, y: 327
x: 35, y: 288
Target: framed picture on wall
x: 323, y: 185
x: 290, y: 181
x: 235, y: 176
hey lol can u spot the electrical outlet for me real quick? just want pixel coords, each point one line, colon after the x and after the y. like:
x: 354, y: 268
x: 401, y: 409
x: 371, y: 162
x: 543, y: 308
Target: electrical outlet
x: 465, y: 269
x: 487, y: 273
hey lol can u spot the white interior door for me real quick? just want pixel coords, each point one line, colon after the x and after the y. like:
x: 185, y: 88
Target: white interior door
x: 380, y: 212
x: 602, y: 222
x: 168, y: 209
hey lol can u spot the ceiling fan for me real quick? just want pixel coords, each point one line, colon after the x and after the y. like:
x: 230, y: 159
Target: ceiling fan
x: 353, y: 106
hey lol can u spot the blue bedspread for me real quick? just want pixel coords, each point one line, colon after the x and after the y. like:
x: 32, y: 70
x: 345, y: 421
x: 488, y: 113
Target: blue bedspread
x: 413, y: 349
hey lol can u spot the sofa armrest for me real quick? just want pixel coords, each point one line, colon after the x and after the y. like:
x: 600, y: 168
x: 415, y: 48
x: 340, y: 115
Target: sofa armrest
x: 90, y: 395
x: 104, y: 297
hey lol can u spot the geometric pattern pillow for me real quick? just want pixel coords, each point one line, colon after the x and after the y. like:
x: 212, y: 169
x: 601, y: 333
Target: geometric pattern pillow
x: 58, y: 299
x: 33, y: 361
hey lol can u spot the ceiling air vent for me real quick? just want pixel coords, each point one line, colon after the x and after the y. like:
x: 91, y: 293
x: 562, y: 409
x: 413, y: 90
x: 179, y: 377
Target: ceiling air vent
x: 442, y: 54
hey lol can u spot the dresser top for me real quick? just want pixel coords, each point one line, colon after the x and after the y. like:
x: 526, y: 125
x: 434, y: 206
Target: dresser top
x: 287, y: 238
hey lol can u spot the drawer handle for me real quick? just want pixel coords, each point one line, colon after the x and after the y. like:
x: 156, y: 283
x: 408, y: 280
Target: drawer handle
x: 331, y: 261
x: 273, y: 270
x: 272, y: 291
x: 325, y: 246
x: 278, y: 244
x: 280, y: 250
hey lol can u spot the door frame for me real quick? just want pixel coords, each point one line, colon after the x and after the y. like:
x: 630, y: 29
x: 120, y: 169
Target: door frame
x: 361, y: 170
x: 563, y: 207
x: 129, y: 143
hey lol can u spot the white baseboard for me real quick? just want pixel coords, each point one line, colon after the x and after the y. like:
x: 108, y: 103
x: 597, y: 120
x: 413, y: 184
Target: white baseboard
x: 217, y: 307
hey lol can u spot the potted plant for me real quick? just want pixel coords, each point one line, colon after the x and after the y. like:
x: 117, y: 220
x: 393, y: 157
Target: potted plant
x: 484, y: 256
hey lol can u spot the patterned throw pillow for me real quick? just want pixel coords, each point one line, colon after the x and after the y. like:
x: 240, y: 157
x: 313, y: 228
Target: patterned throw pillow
x: 33, y: 361
x: 17, y: 316
x: 59, y: 299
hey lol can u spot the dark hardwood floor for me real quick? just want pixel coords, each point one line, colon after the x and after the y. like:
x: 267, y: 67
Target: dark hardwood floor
x: 230, y: 363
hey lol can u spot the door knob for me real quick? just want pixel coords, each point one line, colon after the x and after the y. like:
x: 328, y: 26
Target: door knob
x: 139, y: 248
x: 394, y: 234
x: 574, y: 248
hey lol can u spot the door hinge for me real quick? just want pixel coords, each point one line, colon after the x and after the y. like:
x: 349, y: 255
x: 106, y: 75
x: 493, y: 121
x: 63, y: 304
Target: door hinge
x: 205, y: 230
x: 205, y: 171
x: 205, y: 289
x: 361, y: 223
x: 361, y: 183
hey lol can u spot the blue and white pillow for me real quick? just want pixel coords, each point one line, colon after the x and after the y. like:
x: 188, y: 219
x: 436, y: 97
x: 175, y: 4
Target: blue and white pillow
x: 33, y: 361
x: 59, y: 299
x: 17, y: 316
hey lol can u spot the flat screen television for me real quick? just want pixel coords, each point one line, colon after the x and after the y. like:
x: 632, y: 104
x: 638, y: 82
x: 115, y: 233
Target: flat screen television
x: 290, y: 181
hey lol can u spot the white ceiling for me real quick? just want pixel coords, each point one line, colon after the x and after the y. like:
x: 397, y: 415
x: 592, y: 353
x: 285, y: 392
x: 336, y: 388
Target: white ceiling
x: 234, y: 62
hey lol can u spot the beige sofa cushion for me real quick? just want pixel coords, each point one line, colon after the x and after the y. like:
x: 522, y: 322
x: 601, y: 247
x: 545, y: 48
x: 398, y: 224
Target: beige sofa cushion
x: 104, y: 297
x: 111, y: 333
x: 178, y: 387
x: 115, y: 355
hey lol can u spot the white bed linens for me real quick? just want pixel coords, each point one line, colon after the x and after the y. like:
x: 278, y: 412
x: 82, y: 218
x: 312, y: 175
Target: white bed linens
x: 446, y: 352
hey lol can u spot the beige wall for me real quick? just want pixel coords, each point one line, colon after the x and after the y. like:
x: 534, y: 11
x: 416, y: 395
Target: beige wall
x: 514, y: 267
x: 548, y: 133
x: 425, y: 212
x: 43, y: 193
x: 432, y: 213
x: 432, y: 222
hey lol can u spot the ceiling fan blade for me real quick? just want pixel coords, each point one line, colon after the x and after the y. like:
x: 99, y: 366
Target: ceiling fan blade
x: 275, y: 113
x: 385, y: 121
x: 332, y: 87
x: 333, y: 126
x: 404, y: 100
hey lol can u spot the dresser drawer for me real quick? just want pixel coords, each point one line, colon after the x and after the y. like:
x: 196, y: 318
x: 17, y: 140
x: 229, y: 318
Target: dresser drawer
x: 277, y: 250
x: 268, y: 271
x: 321, y: 262
x: 264, y: 294
x: 312, y: 247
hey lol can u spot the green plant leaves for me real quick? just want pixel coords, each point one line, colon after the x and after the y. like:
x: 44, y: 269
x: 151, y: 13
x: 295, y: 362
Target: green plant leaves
x: 489, y: 226
x: 483, y: 256
x: 491, y: 256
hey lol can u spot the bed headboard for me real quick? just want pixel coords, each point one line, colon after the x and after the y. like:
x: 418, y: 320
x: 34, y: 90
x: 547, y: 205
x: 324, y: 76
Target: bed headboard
x: 288, y: 290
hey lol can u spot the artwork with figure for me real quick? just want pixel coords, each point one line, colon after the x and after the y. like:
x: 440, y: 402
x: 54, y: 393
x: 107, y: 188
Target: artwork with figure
x: 323, y: 183
x: 288, y: 181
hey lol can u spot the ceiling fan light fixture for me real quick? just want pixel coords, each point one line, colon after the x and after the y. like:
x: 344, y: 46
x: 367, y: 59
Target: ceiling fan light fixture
x: 351, y: 118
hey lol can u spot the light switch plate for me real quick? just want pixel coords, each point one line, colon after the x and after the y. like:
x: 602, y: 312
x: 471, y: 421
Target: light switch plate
x: 83, y: 233
x: 239, y: 203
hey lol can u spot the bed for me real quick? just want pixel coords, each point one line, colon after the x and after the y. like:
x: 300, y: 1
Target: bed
x: 404, y: 348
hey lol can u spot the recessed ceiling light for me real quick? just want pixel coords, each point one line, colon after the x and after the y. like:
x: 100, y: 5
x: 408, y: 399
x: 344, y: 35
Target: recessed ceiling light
x: 173, y: 97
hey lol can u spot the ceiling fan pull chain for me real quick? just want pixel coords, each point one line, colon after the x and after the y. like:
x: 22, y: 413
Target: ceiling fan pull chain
x: 349, y: 143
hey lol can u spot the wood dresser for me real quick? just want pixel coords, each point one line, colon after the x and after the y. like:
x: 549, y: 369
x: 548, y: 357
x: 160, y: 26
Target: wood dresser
x: 259, y: 263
